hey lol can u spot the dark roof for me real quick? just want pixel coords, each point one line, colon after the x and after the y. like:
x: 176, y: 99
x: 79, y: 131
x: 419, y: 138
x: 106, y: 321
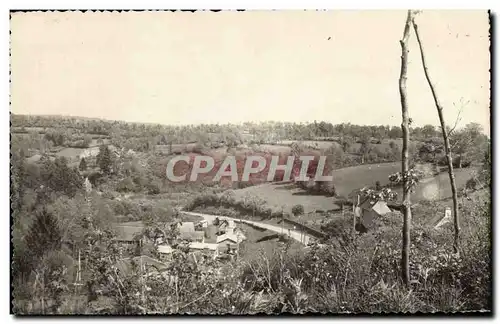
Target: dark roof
x: 127, y: 233
x: 192, y: 236
x: 126, y: 265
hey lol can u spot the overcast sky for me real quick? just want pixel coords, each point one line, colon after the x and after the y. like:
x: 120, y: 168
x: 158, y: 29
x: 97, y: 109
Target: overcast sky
x: 204, y: 67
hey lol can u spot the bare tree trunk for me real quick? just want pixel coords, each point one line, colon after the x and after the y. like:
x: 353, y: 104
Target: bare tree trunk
x: 405, y: 255
x: 354, y: 219
x: 439, y: 108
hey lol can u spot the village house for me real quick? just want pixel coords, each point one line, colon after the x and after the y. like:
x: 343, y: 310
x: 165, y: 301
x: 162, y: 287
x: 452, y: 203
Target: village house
x: 198, y: 249
x: 128, y: 235
x: 149, y: 265
x: 371, y: 209
x: 227, y: 242
x: 187, y: 232
x: 204, y: 249
x: 441, y: 220
x: 165, y: 252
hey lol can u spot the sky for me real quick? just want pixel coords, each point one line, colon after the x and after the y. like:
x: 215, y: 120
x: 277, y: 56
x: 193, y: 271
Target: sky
x: 206, y: 67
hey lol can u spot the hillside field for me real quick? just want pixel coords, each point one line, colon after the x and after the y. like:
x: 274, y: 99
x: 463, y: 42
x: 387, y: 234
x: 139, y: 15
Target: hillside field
x: 347, y: 180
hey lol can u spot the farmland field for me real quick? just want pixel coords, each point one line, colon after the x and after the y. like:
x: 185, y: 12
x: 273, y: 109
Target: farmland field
x: 70, y: 152
x: 286, y: 195
x: 348, y: 179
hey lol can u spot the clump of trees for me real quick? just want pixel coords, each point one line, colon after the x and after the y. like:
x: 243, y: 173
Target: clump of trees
x: 298, y: 210
x: 104, y: 159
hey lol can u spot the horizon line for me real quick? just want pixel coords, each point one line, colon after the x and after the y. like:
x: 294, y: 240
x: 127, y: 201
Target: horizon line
x: 218, y: 123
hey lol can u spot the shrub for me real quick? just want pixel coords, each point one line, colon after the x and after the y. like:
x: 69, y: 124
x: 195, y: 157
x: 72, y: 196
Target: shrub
x: 297, y: 210
x: 126, y: 185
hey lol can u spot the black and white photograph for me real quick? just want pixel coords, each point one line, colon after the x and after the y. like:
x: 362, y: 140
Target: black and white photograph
x: 250, y: 162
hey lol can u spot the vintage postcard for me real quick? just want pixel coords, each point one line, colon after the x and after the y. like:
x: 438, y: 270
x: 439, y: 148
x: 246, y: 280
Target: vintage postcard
x: 250, y: 162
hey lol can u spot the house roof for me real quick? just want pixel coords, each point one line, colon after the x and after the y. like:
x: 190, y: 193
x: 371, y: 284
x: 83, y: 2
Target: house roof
x: 381, y: 208
x: 192, y: 236
x: 225, y: 237
x: 165, y: 249
x: 203, y: 246
x: 127, y: 233
x: 378, y: 206
x: 126, y: 265
x: 186, y: 227
x: 441, y: 219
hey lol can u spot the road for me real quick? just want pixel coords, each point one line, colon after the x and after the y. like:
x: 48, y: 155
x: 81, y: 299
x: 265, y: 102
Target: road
x: 296, y: 235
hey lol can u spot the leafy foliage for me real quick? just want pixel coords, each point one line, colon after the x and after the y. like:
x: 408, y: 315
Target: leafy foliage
x: 104, y: 159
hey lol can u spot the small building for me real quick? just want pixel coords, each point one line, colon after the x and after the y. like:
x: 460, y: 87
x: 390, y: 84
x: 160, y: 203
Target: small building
x: 185, y: 227
x: 441, y: 220
x: 149, y: 265
x: 371, y: 209
x: 187, y: 232
x: 128, y: 235
x: 207, y: 249
x: 165, y: 251
x: 195, y: 236
x: 227, y: 242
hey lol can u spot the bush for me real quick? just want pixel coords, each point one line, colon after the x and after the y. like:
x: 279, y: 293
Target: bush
x: 126, y: 185
x: 297, y: 210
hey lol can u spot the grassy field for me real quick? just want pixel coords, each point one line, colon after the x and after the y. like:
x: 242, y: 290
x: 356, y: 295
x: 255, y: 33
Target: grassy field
x: 251, y: 250
x: 286, y: 196
x: 70, y: 152
x: 346, y: 181
x: 349, y: 179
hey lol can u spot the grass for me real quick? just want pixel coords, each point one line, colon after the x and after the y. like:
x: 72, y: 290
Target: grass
x: 318, y: 208
x: 251, y: 250
x: 286, y: 196
x: 70, y: 152
x: 346, y: 180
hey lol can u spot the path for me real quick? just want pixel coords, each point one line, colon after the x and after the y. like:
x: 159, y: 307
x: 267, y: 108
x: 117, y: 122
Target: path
x: 296, y: 235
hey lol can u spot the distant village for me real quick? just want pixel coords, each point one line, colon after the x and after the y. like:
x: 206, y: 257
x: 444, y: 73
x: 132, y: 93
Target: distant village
x: 218, y: 240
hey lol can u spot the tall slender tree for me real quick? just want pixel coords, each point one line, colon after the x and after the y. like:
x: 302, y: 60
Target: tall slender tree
x: 83, y: 164
x: 44, y: 236
x: 405, y: 255
x: 444, y: 131
x: 104, y: 159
